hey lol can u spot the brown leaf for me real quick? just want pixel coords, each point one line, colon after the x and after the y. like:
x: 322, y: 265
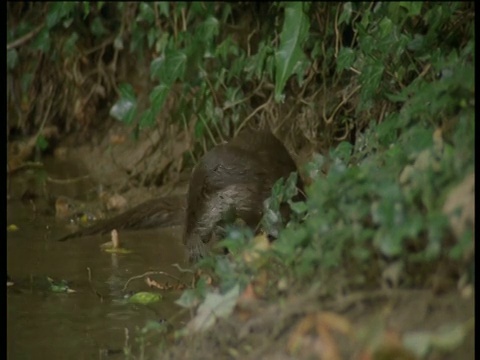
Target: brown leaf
x: 335, y: 322
x: 460, y: 206
x: 313, y: 335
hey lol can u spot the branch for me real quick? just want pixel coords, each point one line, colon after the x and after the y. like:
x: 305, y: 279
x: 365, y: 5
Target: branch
x: 24, y: 38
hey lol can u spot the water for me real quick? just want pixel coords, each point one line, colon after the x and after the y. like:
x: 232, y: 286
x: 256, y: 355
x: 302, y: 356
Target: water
x: 92, y: 320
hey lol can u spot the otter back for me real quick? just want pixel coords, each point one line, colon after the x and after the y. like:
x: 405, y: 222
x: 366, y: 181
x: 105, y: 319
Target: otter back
x: 233, y: 178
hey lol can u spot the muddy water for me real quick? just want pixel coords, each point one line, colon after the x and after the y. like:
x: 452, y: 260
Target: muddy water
x: 91, y: 322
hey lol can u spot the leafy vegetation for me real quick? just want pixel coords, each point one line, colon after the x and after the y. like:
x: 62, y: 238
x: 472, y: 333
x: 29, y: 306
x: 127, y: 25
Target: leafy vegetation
x: 382, y: 92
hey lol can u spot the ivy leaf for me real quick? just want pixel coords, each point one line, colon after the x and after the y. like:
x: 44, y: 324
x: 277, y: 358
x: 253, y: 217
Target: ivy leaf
x: 163, y: 7
x: 345, y: 58
x: 290, y: 53
x: 126, y: 91
x: 209, y: 29
x: 413, y: 8
x: 42, y: 142
x: 58, y: 11
x: 42, y: 41
x: 146, y: 13
x: 97, y: 27
x: 215, y: 306
x: 69, y: 46
x: 147, y: 119
x: 370, y: 80
x: 169, y: 68
x: 346, y: 14
x: 158, y: 97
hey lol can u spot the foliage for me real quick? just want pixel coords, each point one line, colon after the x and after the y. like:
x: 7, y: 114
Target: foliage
x: 385, y: 91
x: 384, y: 195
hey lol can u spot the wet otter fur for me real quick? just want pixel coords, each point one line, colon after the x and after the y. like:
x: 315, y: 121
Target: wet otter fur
x: 232, y: 178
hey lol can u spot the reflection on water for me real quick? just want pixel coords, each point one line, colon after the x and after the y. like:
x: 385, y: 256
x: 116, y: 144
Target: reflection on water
x: 81, y: 325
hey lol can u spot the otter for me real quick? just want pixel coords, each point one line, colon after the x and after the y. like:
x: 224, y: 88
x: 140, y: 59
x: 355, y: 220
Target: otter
x: 232, y: 178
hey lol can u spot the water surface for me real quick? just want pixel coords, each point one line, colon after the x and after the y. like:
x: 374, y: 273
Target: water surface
x: 93, y: 320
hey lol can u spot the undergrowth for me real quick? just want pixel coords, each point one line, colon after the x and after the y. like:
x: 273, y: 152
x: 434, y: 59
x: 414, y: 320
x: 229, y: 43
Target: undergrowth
x: 382, y: 94
x: 385, y: 197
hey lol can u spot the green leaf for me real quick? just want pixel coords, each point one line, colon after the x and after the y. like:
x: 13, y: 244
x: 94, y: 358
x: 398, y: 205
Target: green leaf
x: 97, y: 27
x: 414, y: 8
x: 299, y: 207
x: 163, y: 6
x: 42, y: 41
x: 158, y: 97
x: 146, y: 13
x: 59, y: 286
x: 26, y: 81
x: 370, y: 79
x: 126, y: 91
x: 290, y: 53
x: 346, y: 14
x: 42, y: 142
x: 69, y: 46
x: 12, y: 228
x: 147, y: 119
x: 214, y: 306
x: 346, y: 58
x: 343, y: 151
x: 169, y: 68
x: 57, y: 11
x: 144, y: 298
x: 209, y: 29
x: 86, y: 8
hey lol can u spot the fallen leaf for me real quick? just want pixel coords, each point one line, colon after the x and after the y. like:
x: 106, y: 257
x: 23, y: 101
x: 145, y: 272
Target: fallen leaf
x: 214, y: 306
x: 460, y: 206
x: 248, y: 294
x: 60, y: 286
x: 260, y: 244
x: 313, y: 336
x: 12, y: 228
x: 446, y: 338
x: 144, y: 298
x: 335, y: 322
x: 116, y: 202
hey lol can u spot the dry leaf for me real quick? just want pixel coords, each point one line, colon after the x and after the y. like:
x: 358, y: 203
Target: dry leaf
x: 460, y: 206
x: 260, y: 244
x: 303, y: 341
x: 213, y: 307
x: 116, y: 202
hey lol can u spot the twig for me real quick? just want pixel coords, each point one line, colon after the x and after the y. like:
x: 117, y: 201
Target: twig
x: 337, y: 33
x: 207, y: 127
x: 253, y: 114
x: 344, y: 100
x: 89, y: 272
x: 245, y: 98
x: 151, y: 273
x: 67, y: 181
x: 24, y: 165
x: 24, y: 38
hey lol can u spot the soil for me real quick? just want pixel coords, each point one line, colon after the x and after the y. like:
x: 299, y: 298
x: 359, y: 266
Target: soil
x: 370, y: 325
